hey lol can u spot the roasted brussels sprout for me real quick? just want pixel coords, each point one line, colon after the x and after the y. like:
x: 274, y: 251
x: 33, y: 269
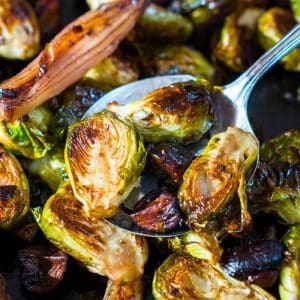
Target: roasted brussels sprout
x: 289, y: 284
x: 3, y: 294
x: 28, y: 136
x: 183, y: 277
x: 188, y: 5
x: 50, y: 168
x: 126, y: 291
x: 180, y: 112
x: 44, y: 267
x: 296, y: 9
x: 104, y: 157
x: 174, y: 60
x: 217, y: 174
x: 272, y: 26
x: 112, y: 72
x: 74, y: 103
x: 161, y: 26
x: 14, y: 191
x: 19, y: 30
x: 101, y: 247
x: 276, y: 185
x: 201, y: 244
x: 236, y: 48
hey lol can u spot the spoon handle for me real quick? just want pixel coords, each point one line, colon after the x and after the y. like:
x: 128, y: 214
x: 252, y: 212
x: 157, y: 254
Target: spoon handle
x: 240, y: 90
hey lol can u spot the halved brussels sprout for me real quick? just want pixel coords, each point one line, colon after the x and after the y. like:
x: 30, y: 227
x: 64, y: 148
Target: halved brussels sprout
x: 27, y: 136
x: 104, y: 157
x: 19, y: 30
x: 181, y: 60
x: 112, y: 72
x: 159, y: 25
x: 236, y: 48
x: 50, y: 168
x: 183, y: 277
x: 14, y: 191
x: 201, y: 244
x: 284, y: 147
x: 272, y: 26
x: 289, y: 284
x: 180, y: 112
x: 276, y: 185
x: 102, y: 248
x: 217, y: 174
x: 126, y: 291
x: 295, y: 4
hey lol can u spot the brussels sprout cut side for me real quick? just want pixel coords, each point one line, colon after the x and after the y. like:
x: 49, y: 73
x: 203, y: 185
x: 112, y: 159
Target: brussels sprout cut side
x: 101, y: 247
x: 217, y: 174
x: 181, y: 112
x: 104, y: 157
x: 185, y: 278
x: 14, y: 191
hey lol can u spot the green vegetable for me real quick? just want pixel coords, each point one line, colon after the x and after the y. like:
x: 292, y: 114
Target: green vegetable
x: 276, y: 186
x: 295, y: 4
x: 28, y: 136
x: 180, y: 112
x: 14, y: 191
x: 289, y: 284
x: 183, y: 277
x: 19, y: 30
x: 272, y: 26
x: 215, y: 176
x: 161, y: 26
x: 50, y: 168
x: 112, y: 72
x: 181, y: 60
x: 200, y: 244
x: 125, y: 291
x: 102, y: 248
x: 104, y: 157
x: 236, y: 48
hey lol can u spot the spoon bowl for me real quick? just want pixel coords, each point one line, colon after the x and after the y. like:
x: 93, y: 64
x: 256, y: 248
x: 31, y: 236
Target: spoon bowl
x: 230, y: 109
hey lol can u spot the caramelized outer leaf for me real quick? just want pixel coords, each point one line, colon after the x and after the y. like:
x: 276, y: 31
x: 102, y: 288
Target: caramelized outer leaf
x: 75, y: 50
x: 125, y: 291
x: 180, y: 112
x: 102, y: 248
x: 104, y: 157
x: 14, y: 191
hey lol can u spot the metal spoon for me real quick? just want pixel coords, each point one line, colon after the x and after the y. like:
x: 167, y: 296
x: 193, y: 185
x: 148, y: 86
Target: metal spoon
x: 230, y: 108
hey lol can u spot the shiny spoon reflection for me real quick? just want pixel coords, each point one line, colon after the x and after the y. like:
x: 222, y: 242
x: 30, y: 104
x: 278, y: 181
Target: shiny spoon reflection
x: 230, y: 109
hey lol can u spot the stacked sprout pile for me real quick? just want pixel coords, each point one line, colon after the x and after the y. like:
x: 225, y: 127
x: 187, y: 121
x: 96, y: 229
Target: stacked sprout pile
x: 64, y: 176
